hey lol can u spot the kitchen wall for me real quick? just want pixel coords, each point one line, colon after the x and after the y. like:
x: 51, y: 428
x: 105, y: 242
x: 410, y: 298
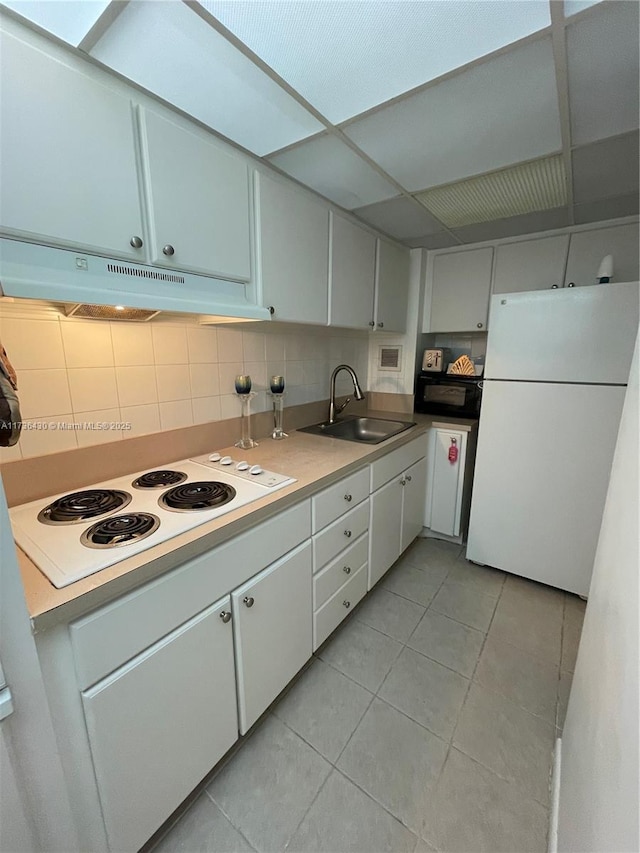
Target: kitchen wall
x: 164, y: 374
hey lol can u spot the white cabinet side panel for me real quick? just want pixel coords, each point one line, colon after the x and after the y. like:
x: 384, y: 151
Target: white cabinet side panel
x: 542, y: 469
x: 447, y: 483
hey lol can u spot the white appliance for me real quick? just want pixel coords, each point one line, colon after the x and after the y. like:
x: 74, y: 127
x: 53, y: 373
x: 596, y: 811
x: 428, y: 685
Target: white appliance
x: 556, y: 369
x: 73, y: 535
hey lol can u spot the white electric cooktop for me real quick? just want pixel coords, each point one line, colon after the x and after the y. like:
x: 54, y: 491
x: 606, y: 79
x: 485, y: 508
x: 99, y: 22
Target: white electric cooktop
x: 75, y: 534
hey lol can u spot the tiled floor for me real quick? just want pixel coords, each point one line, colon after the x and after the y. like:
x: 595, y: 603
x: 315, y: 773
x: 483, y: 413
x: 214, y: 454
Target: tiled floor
x: 426, y: 723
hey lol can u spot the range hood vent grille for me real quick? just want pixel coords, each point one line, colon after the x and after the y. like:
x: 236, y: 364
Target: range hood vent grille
x: 139, y: 272
x: 108, y: 312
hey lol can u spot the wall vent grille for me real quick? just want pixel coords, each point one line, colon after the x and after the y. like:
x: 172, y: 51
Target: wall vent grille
x: 140, y: 272
x: 390, y: 358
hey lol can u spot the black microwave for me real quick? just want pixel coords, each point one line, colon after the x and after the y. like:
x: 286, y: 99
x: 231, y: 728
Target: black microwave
x: 450, y: 395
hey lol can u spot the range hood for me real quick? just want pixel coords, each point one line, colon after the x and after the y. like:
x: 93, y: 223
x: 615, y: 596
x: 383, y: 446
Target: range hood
x: 32, y: 271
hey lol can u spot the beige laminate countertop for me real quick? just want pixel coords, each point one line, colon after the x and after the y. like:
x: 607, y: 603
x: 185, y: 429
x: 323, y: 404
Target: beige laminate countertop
x: 315, y: 461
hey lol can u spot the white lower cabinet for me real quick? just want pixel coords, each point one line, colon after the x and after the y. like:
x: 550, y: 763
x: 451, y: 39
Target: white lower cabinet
x: 413, y: 500
x: 333, y: 611
x: 385, y: 526
x: 160, y: 723
x: 272, y: 632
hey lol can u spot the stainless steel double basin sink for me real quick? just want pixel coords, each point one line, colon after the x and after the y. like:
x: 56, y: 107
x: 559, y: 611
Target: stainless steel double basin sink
x: 360, y: 429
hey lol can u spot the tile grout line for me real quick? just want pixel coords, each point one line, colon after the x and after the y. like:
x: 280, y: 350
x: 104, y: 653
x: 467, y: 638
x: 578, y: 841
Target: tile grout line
x: 222, y: 812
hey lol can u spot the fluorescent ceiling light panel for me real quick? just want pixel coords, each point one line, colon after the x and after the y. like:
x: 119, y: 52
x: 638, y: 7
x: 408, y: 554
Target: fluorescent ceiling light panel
x: 526, y: 188
x: 70, y: 20
x: 501, y: 112
x: 331, y: 168
x: 572, y: 7
x: 602, y: 56
x: 169, y: 50
x: 346, y: 57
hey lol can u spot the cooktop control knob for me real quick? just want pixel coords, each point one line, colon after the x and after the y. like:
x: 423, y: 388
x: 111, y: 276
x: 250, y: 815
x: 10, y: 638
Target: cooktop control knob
x: 226, y: 460
x: 242, y: 466
x: 255, y: 470
x: 215, y: 457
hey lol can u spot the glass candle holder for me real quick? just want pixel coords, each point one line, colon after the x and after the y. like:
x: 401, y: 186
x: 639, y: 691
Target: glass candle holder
x: 243, y: 384
x: 276, y: 383
x: 278, y: 408
x: 245, y: 436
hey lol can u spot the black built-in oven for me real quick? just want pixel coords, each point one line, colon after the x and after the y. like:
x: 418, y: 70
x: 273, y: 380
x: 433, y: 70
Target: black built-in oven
x: 450, y: 395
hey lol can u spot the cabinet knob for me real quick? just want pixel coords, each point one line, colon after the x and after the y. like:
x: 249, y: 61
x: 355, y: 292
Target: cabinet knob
x: 347, y: 533
x: 479, y: 325
x: 168, y: 250
x: 571, y: 284
x: 347, y: 604
x: 136, y: 242
x: 272, y: 310
x: 346, y: 570
x: 554, y: 287
x: 372, y: 324
x: 348, y: 498
x: 381, y: 325
x: 403, y: 482
x: 408, y: 480
x: 248, y: 600
x: 225, y: 616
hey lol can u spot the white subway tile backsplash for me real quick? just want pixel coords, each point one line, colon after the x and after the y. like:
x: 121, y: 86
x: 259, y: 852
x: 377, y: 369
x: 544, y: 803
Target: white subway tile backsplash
x: 99, y: 427
x: 132, y: 344
x: 93, y: 388
x: 253, y: 346
x: 87, y: 343
x: 275, y: 347
x: 257, y: 370
x: 294, y: 348
x: 136, y: 385
x: 32, y: 344
x: 176, y: 414
x: 206, y: 409
x: 229, y: 406
x: 227, y: 373
x: 202, y: 345
x: 205, y: 381
x: 170, y: 344
x: 143, y: 419
x: 43, y: 393
x: 230, y: 345
x: 294, y: 373
x: 39, y: 442
x: 173, y: 382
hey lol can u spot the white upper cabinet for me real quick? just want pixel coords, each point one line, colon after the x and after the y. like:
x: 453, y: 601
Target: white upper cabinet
x: 198, y: 197
x: 461, y: 286
x: 352, y: 269
x: 68, y: 156
x: 293, y: 252
x: 531, y: 264
x: 392, y: 287
x: 588, y: 248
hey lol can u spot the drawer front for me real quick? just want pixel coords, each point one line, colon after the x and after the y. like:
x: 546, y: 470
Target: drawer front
x: 339, y: 535
x: 338, y: 572
x: 105, y: 639
x: 339, y: 606
x: 339, y: 499
x: 394, y: 463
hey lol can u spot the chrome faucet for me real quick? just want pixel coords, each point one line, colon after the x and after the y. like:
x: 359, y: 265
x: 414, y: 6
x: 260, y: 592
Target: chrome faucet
x: 357, y: 391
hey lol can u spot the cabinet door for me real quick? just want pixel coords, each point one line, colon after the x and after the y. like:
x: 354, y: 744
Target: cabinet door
x: 385, y: 529
x: 461, y: 285
x: 588, y: 248
x: 198, y: 196
x: 293, y: 251
x: 160, y: 723
x: 68, y: 156
x: 272, y: 632
x: 531, y: 265
x: 392, y: 287
x: 352, y: 269
x: 445, y: 482
x: 413, y: 501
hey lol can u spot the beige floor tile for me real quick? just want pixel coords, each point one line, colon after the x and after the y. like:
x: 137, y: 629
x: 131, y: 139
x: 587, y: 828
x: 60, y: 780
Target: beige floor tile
x: 412, y: 583
x: 449, y: 642
x: 530, y: 625
x: 464, y: 605
x: 362, y: 653
x: 203, y: 829
x: 389, y: 613
x: 482, y: 579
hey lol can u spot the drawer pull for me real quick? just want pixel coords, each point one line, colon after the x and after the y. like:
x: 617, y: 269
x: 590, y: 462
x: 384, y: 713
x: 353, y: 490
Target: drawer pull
x: 248, y: 600
x: 408, y: 478
x: 168, y: 250
x: 403, y: 482
x: 346, y: 570
x: 347, y: 604
x: 347, y: 533
x: 225, y: 616
x: 348, y: 498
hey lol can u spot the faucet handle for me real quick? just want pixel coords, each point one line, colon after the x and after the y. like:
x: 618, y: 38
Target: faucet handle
x: 344, y: 405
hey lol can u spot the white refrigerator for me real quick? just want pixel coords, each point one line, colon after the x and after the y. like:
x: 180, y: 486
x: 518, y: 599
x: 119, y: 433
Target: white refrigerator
x: 556, y: 370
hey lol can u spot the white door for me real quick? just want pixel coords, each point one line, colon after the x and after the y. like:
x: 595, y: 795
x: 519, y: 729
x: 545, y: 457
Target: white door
x: 68, y: 156
x: 413, y: 501
x: 531, y: 264
x: 445, y: 481
x: 293, y: 252
x: 392, y: 287
x: 160, y: 723
x: 461, y: 285
x: 198, y: 197
x: 588, y: 248
x: 272, y: 624
x: 352, y: 271
x: 385, y: 527
x: 541, y: 474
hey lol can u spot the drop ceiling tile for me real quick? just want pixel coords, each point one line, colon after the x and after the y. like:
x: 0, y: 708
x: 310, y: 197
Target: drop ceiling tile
x: 70, y: 20
x: 501, y: 112
x: 529, y: 223
x: 346, y: 57
x: 432, y: 241
x: 168, y: 49
x: 572, y: 7
x: 607, y: 168
x: 399, y: 217
x: 602, y: 56
x: 331, y: 168
x: 609, y: 208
